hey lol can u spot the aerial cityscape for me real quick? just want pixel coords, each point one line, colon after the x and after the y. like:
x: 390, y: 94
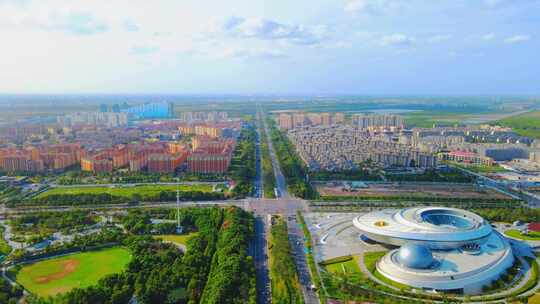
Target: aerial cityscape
x: 330, y: 152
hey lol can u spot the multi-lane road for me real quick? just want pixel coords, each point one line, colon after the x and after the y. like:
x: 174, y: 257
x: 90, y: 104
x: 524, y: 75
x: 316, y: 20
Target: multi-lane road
x: 281, y: 184
x: 284, y: 205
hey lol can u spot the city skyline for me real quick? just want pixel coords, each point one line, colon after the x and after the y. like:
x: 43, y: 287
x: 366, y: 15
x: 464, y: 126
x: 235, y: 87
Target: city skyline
x: 333, y: 47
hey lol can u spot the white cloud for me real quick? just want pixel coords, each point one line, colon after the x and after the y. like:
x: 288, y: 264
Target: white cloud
x: 397, y: 40
x: 130, y: 26
x: 374, y: 7
x: 488, y: 37
x: 74, y: 22
x: 265, y: 29
x: 517, y: 39
x: 144, y: 50
x: 259, y: 53
x: 439, y: 38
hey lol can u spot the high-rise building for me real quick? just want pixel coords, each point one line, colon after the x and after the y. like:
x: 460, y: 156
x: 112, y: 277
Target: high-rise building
x: 299, y: 120
x: 166, y: 163
x: 151, y: 110
x: 314, y: 119
x: 366, y: 121
x: 285, y: 121
x: 339, y: 118
x: 326, y: 119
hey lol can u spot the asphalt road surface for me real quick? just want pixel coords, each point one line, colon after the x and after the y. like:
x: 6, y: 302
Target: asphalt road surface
x: 296, y: 239
x: 258, y: 184
x: 262, y: 208
x: 259, y: 251
x: 280, y: 179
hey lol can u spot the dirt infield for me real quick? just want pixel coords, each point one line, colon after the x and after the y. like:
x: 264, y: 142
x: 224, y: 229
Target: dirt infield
x: 442, y: 190
x: 68, y: 266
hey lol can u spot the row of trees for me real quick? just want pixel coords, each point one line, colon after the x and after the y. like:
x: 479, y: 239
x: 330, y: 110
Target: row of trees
x: 452, y: 176
x: 123, y: 177
x: 48, y: 221
x: 214, y: 269
x: 269, y: 180
x: 283, y: 275
x: 509, y: 215
x: 424, y: 199
x: 107, y: 198
x: 9, y: 294
x: 243, y: 165
x: 292, y: 166
x: 355, y: 174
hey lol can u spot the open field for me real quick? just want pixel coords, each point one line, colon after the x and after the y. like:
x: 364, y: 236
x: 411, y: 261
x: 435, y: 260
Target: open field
x: 526, y: 124
x: 80, y: 270
x: 343, y: 266
x: 482, y: 168
x: 531, y: 236
x: 439, y: 190
x: 450, y: 117
x: 181, y: 239
x: 144, y: 190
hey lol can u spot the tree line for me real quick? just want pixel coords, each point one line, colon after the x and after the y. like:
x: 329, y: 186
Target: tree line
x: 214, y: 269
x: 283, y: 275
x: 509, y: 215
x: 292, y: 166
x: 242, y: 169
x: 107, y: 198
x: 269, y: 180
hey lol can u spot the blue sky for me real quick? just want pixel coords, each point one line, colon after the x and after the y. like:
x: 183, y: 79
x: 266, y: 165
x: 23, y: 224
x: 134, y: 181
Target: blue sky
x: 277, y: 47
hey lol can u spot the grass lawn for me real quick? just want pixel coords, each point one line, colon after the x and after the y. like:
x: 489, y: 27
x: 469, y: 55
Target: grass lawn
x: 60, y: 275
x: 126, y: 191
x: 176, y: 238
x: 386, y: 280
x: 349, y: 266
x: 531, y: 236
x: 371, y: 258
x: 428, y: 119
x: 527, y: 124
x: 483, y: 169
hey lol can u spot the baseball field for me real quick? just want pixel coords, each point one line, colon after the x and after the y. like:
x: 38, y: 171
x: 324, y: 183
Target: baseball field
x: 59, y: 275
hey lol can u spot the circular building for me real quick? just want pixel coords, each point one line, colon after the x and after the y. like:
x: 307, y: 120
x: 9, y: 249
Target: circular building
x: 441, y: 249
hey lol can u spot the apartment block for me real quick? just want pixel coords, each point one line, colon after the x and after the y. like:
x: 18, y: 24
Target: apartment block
x: 366, y: 121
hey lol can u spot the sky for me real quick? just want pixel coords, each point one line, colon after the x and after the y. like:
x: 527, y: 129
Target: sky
x: 323, y: 47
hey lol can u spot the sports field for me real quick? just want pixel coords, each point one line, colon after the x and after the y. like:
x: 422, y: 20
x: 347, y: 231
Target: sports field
x: 127, y: 191
x: 59, y: 275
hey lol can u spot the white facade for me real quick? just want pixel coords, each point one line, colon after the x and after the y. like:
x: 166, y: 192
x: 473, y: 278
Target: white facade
x: 465, y: 252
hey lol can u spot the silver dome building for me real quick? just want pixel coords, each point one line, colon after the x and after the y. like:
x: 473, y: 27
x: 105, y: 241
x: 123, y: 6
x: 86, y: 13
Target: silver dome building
x: 414, y: 256
x: 435, y: 248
